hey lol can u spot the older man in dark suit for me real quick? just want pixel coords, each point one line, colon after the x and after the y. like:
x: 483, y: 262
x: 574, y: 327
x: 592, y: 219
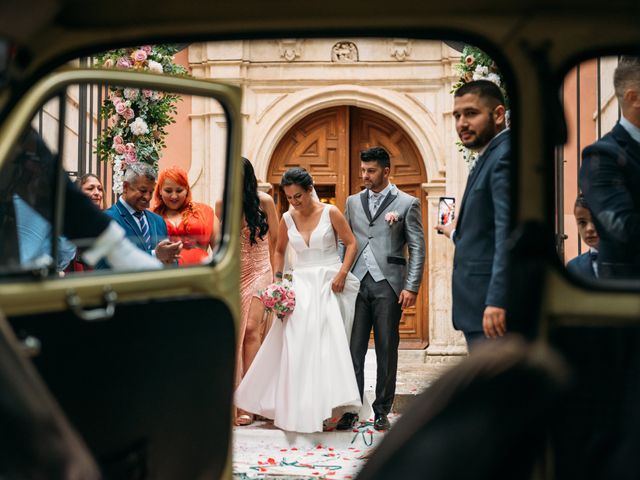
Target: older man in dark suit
x: 147, y: 230
x: 610, y: 180
x: 480, y: 232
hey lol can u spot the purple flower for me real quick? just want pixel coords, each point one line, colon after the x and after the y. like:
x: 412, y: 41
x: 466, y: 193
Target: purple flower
x: 123, y: 62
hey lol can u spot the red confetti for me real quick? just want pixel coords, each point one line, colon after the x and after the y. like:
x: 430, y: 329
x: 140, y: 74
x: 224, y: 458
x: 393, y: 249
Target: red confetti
x: 283, y: 449
x: 355, y: 430
x: 331, y: 454
x: 331, y: 473
x: 294, y: 449
x: 356, y: 450
x: 271, y: 461
x: 319, y: 446
x: 262, y: 469
x: 260, y: 463
x: 370, y: 431
x: 346, y: 458
x: 330, y: 449
x: 348, y: 476
x: 315, y: 473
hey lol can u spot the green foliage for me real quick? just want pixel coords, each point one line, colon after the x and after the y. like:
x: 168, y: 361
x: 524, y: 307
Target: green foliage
x: 475, y: 64
x: 136, y: 118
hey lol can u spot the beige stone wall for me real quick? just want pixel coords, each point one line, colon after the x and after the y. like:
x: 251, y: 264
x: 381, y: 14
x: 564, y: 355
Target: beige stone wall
x: 283, y: 81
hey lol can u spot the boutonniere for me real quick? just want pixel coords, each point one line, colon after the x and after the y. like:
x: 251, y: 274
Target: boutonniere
x: 392, y: 217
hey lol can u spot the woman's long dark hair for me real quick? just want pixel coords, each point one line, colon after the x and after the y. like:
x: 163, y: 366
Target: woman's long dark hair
x: 254, y: 215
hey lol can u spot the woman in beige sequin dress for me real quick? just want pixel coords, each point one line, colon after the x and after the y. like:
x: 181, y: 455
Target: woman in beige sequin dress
x: 258, y: 240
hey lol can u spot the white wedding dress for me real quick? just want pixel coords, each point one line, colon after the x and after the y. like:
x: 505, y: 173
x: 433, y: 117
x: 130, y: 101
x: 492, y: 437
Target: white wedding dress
x: 303, y: 369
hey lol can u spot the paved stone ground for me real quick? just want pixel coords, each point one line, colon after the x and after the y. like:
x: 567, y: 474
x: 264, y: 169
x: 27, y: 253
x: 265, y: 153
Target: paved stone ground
x: 266, y: 452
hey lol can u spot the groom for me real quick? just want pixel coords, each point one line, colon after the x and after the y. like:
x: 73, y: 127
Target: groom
x: 384, y: 221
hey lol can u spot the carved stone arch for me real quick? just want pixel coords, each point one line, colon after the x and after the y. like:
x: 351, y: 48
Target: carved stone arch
x: 416, y: 120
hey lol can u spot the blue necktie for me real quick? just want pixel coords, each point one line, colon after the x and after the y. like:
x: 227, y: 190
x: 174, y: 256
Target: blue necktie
x: 144, y: 228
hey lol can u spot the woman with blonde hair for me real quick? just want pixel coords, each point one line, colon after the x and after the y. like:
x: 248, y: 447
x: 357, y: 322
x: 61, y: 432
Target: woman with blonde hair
x: 193, y: 223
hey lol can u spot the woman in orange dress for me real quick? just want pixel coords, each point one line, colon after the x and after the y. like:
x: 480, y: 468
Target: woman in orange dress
x: 194, y: 224
x: 257, y: 242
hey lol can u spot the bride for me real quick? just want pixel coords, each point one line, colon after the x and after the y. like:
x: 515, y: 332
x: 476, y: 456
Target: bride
x: 303, y: 369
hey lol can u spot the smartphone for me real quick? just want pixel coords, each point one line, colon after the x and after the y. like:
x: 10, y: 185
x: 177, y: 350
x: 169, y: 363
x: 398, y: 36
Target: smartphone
x: 446, y: 211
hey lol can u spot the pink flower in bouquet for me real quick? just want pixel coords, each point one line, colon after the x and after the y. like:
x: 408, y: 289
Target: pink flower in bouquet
x: 117, y: 140
x: 130, y: 147
x: 147, y: 49
x: 278, y: 298
x: 139, y: 56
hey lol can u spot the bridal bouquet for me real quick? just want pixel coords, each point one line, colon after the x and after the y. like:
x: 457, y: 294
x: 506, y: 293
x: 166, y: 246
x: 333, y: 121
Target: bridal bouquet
x: 279, y: 298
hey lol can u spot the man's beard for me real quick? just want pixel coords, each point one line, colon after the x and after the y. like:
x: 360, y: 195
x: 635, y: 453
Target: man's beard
x: 483, y: 137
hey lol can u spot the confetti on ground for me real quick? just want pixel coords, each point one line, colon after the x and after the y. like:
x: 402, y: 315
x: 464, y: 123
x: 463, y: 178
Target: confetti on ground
x: 328, y: 455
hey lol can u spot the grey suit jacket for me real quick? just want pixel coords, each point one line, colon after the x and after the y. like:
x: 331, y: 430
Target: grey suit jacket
x: 388, y: 240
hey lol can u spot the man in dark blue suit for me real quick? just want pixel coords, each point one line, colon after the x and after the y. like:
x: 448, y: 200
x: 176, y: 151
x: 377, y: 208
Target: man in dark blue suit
x: 585, y: 265
x: 147, y: 230
x: 479, y: 284
x: 610, y: 180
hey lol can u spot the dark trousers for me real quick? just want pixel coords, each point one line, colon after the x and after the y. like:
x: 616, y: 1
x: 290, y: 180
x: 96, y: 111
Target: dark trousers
x: 474, y: 339
x: 377, y: 307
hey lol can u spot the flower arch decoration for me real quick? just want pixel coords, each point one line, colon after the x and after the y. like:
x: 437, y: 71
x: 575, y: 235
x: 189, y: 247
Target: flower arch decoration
x: 475, y: 64
x: 136, y: 118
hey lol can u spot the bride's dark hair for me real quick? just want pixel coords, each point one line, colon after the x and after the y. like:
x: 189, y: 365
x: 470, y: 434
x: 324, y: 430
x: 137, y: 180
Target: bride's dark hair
x: 297, y: 176
x: 254, y: 215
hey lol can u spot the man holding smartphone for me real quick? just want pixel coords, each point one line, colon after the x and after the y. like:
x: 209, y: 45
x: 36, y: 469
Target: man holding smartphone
x: 479, y: 284
x: 147, y: 230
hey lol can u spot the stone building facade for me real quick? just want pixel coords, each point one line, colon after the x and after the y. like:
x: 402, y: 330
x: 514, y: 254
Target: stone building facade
x: 399, y: 89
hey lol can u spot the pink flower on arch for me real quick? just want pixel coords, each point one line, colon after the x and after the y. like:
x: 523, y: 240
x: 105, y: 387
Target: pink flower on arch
x: 129, y: 113
x: 119, y: 148
x: 121, y: 107
x: 130, y: 157
x: 147, y: 49
x: 123, y: 62
x: 118, y: 140
x: 139, y: 56
x: 469, y: 60
x: 130, y: 148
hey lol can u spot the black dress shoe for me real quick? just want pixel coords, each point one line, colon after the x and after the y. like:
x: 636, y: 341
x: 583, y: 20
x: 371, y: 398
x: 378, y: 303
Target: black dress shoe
x: 381, y: 422
x: 347, y: 421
